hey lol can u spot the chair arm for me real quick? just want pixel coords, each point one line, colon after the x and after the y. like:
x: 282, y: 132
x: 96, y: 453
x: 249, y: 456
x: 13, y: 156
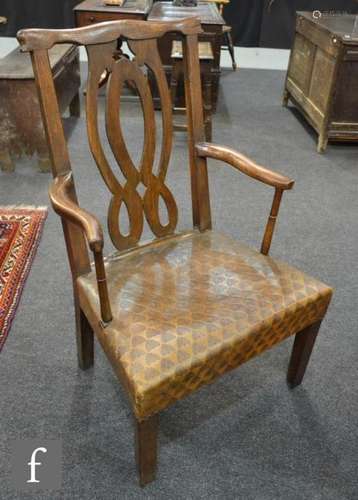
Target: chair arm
x: 250, y: 168
x: 62, y: 201
x: 244, y: 164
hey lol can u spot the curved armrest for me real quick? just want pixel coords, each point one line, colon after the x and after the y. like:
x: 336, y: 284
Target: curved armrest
x: 244, y: 164
x: 250, y: 168
x: 63, y: 200
x: 63, y: 204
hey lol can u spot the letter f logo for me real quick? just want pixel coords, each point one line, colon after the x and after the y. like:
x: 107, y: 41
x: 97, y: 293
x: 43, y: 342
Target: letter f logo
x: 33, y: 464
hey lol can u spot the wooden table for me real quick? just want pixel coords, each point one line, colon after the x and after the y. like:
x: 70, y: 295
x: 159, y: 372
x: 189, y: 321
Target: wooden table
x: 322, y: 78
x: 212, y: 24
x: 94, y: 11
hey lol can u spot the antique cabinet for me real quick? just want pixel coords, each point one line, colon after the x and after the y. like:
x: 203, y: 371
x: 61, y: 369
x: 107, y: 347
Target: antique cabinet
x: 322, y: 77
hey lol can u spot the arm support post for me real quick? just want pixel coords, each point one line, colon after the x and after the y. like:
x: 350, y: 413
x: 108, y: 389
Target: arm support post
x: 271, y: 222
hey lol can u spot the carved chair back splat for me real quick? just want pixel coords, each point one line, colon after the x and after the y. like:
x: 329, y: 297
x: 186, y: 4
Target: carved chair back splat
x: 100, y: 42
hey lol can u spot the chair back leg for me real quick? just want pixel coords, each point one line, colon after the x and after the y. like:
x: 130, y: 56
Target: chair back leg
x: 84, y: 337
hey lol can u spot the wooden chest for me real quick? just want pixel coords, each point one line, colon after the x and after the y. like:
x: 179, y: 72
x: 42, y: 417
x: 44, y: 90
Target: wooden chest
x: 322, y: 78
x: 21, y: 128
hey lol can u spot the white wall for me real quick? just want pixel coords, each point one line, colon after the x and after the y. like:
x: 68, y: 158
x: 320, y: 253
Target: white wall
x: 245, y: 57
x: 7, y: 44
x: 257, y: 57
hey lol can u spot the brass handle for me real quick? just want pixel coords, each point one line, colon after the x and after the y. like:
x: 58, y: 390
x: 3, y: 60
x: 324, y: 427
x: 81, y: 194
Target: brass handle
x: 92, y: 19
x: 3, y: 20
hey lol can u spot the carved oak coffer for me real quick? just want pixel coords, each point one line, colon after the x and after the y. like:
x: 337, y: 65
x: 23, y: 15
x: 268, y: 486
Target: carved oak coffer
x: 322, y: 78
x: 21, y: 128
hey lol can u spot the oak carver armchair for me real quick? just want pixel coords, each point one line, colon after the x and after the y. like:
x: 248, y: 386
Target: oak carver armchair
x: 175, y: 313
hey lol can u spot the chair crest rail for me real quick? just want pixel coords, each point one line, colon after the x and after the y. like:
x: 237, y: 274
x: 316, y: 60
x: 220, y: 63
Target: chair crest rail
x: 43, y: 39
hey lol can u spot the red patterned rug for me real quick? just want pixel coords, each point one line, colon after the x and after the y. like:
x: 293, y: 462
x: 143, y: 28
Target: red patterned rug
x: 20, y: 233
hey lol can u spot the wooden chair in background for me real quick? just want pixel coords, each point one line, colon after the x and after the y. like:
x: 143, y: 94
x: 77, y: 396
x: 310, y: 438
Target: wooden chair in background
x: 176, y: 313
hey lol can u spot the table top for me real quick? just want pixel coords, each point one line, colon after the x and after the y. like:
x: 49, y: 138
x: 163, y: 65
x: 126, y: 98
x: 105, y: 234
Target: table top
x: 135, y: 6
x: 17, y: 65
x: 344, y: 26
x: 166, y: 11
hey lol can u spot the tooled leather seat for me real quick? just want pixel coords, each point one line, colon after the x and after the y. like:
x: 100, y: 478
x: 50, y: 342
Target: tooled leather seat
x: 195, y: 306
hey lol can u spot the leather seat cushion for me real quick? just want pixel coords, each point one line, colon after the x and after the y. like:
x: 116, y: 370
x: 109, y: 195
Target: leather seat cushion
x: 192, y: 307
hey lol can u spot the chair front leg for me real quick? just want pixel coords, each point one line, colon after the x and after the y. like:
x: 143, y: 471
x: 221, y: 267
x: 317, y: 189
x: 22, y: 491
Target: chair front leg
x: 301, y: 352
x: 146, y: 434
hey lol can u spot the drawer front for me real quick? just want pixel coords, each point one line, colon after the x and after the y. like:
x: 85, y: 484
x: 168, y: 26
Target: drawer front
x: 301, y: 62
x: 86, y: 18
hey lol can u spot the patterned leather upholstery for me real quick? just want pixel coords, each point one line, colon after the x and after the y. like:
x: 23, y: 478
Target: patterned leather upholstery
x: 193, y: 307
